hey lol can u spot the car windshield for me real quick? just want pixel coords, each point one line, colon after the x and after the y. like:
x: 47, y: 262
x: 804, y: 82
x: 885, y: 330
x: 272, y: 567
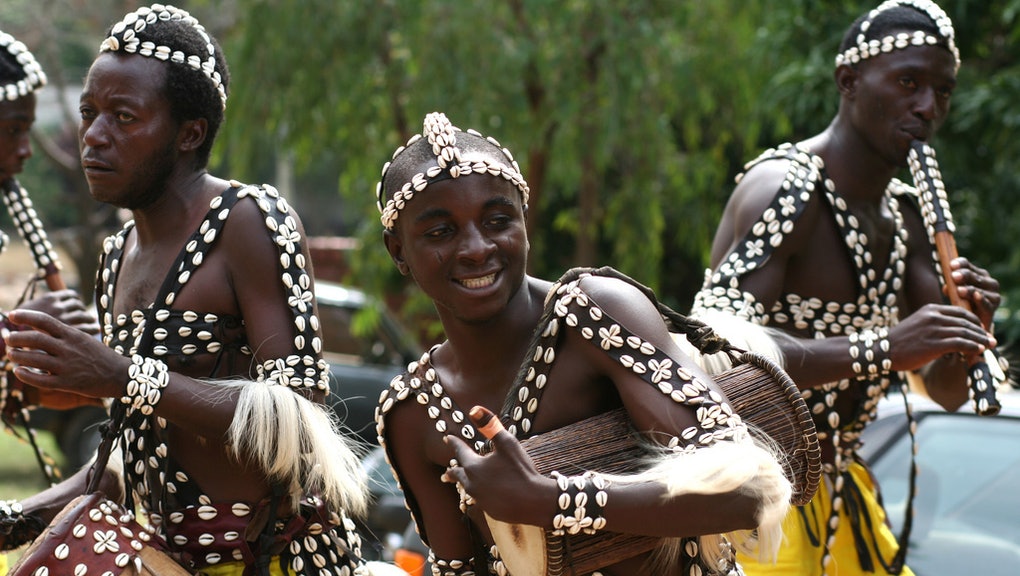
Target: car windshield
x: 967, y: 496
x: 343, y: 343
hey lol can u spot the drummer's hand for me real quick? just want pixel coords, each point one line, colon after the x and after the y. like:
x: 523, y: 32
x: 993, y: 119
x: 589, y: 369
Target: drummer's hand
x: 54, y: 356
x: 66, y: 306
x: 504, y: 483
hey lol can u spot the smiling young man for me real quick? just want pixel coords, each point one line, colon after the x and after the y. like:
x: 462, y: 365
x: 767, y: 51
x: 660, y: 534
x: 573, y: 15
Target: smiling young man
x: 822, y: 243
x: 210, y: 350
x: 453, y: 206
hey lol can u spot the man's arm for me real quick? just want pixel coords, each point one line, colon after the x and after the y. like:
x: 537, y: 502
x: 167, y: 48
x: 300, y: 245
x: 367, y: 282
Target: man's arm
x: 508, y: 488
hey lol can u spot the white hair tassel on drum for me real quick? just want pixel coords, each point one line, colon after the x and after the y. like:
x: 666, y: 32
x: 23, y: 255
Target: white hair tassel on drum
x: 737, y: 331
x: 297, y: 443
x: 747, y: 466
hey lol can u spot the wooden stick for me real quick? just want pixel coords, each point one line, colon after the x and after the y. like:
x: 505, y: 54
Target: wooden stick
x: 30, y: 228
x: 935, y: 210
x: 486, y: 421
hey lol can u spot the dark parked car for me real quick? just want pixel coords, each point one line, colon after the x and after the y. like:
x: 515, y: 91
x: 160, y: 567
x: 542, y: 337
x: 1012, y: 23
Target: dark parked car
x: 360, y: 368
x: 967, y: 509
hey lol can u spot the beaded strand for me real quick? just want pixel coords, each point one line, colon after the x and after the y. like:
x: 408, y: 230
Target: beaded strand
x: 869, y: 48
x: 124, y: 37
x: 34, y: 78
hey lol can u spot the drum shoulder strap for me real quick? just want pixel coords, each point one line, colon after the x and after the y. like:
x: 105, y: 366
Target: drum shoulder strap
x: 568, y: 307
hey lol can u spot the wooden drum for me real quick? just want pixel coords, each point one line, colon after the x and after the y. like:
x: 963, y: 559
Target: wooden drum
x: 757, y: 389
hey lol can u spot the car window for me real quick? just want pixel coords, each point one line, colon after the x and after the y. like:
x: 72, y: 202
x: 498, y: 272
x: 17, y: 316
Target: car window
x: 341, y: 344
x: 337, y: 337
x: 968, y: 471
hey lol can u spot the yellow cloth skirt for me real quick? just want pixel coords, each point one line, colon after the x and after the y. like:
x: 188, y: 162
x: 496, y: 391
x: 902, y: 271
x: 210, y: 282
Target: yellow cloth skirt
x: 237, y: 568
x: 3, y: 565
x: 798, y: 556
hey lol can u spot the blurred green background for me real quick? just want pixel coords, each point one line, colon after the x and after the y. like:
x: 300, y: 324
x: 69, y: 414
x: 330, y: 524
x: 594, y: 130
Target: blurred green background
x: 630, y: 119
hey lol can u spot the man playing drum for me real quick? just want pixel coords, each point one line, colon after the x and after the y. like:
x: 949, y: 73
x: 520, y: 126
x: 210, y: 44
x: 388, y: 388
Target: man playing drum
x: 453, y: 207
x: 210, y: 348
x: 820, y: 242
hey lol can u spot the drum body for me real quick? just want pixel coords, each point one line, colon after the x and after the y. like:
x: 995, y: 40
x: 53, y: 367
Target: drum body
x: 93, y: 535
x: 757, y: 389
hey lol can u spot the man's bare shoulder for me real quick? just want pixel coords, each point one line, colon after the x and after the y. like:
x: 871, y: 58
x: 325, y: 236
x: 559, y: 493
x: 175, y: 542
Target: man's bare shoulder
x: 758, y: 186
x: 257, y: 216
x: 623, y: 301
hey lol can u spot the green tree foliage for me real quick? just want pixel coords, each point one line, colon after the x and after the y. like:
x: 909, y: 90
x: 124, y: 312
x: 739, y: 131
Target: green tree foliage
x: 628, y: 118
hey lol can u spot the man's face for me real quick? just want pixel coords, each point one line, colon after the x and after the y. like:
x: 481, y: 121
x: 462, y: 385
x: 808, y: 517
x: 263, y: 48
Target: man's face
x: 465, y: 243
x: 903, y: 95
x: 16, y: 119
x: 127, y: 136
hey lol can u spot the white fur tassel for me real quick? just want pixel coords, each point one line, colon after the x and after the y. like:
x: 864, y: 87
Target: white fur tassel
x: 296, y: 442
x: 738, y: 332
x: 751, y: 465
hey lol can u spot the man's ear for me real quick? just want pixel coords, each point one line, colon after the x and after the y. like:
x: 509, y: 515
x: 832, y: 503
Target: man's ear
x: 396, y: 249
x: 527, y: 242
x: 846, y: 80
x: 192, y: 134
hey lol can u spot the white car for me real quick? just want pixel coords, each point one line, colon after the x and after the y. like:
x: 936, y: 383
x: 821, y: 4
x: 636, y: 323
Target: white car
x: 967, y: 508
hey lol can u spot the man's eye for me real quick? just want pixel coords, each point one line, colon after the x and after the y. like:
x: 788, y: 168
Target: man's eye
x: 501, y: 220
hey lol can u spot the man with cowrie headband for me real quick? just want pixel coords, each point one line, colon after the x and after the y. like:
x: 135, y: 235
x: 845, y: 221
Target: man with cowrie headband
x: 826, y: 248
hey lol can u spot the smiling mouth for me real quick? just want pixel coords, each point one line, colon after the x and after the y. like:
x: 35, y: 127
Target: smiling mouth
x: 481, y: 282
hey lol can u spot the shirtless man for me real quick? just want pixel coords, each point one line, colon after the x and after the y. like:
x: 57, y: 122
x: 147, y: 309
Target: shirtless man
x: 210, y: 347
x: 453, y: 206
x: 821, y: 243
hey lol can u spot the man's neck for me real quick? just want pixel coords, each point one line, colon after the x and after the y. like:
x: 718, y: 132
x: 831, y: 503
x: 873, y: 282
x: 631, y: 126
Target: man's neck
x: 498, y: 345
x: 859, y: 173
x: 183, y: 201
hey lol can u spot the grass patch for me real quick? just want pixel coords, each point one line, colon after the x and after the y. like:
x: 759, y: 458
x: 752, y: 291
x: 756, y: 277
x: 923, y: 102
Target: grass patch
x: 20, y: 474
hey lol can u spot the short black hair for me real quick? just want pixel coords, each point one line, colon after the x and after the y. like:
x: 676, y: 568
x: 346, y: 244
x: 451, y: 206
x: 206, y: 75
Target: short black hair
x: 903, y: 18
x: 419, y: 153
x: 191, y: 93
x: 10, y: 69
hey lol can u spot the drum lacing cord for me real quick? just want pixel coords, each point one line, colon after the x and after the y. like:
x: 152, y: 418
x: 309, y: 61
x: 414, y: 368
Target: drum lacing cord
x: 895, y: 566
x: 267, y: 536
x: 108, y: 431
